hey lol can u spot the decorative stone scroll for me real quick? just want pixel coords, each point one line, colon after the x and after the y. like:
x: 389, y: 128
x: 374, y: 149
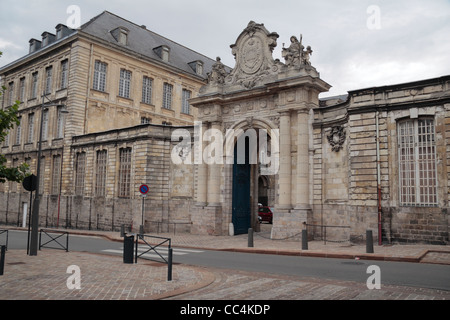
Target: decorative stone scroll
x: 336, y: 138
x: 253, y: 53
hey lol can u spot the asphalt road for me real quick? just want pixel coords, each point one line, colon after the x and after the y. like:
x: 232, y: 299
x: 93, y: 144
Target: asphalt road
x: 430, y: 276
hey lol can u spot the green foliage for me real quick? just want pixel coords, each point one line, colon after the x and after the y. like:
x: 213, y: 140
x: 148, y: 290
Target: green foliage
x: 8, y: 118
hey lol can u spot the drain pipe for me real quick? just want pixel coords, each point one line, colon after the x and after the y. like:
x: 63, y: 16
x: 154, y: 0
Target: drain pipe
x: 378, y: 178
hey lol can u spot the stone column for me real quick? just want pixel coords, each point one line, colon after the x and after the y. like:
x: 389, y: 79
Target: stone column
x: 302, y: 176
x: 284, y: 177
x: 202, y: 168
x: 213, y: 190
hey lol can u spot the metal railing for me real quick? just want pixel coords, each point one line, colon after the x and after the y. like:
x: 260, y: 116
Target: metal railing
x: 54, y: 239
x: 323, y: 232
x: 153, y: 248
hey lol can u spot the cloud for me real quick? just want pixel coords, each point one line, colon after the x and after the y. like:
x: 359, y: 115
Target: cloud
x: 412, y: 42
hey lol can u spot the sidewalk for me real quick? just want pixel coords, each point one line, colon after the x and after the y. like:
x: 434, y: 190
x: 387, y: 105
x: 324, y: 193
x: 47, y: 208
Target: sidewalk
x: 103, y: 277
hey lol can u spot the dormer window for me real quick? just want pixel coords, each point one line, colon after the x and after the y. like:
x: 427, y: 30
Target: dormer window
x: 197, y: 66
x: 62, y: 31
x: 162, y: 52
x: 47, y: 38
x: 34, y: 45
x: 120, y: 34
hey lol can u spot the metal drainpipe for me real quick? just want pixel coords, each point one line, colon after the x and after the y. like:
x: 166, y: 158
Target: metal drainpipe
x: 378, y: 179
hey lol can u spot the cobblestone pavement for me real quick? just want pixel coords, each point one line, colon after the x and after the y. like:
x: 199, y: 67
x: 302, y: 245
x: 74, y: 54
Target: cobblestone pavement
x: 102, y: 277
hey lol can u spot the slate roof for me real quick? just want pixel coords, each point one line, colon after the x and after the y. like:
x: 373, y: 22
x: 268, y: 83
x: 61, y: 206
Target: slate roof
x: 142, y: 41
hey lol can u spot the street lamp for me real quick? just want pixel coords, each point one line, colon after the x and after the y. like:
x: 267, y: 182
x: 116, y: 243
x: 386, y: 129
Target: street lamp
x: 35, y: 215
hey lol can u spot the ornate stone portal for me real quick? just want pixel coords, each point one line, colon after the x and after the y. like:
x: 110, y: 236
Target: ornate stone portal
x: 260, y: 94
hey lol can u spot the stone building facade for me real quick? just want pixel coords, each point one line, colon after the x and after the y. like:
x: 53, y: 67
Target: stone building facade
x: 375, y: 158
x: 115, y: 79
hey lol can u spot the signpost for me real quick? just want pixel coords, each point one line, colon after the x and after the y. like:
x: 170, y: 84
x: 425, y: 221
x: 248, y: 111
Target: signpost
x: 143, y: 189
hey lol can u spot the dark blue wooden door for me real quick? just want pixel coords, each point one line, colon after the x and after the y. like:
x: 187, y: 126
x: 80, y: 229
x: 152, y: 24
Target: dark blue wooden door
x: 241, y: 194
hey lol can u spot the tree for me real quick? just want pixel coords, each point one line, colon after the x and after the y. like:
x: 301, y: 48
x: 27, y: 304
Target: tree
x: 8, y: 118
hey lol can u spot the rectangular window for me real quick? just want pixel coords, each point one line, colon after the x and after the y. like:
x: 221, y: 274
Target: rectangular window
x: 186, y: 95
x: 124, y: 83
x: 19, y: 132
x: 147, y: 90
x: 11, y: 94
x: 30, y: 128
x: 34, y: 83
x: 60, y: 123
x: 42, y: 176
x: 99, y: 82
x: 100, y: 173
x: 56, y: 174
x: 417, y: 162
x: 80, y: 168
x: 48, y: 80
x: 146, y: 120
x: 64, y: 74
x: 22, y: 90
x: 124, y: 172
x: 167, y: 96
x: 45, y: 125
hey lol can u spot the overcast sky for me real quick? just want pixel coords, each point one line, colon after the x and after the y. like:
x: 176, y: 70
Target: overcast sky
x: 356, y: 43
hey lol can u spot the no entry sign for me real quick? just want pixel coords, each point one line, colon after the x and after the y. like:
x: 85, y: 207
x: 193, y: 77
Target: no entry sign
x: 143, y: 189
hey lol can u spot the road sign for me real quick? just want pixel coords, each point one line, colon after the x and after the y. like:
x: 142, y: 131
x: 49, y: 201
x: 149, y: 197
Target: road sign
x: 30, y: 183
x: 143, y: 189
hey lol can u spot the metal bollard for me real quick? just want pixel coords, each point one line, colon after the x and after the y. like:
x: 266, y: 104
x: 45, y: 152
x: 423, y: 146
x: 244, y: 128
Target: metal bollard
x: 122, y: 231
x: 304, y: 239
x: 2, y: 259
x: 128, y: 246
x: 369, y: 241
x: 250, y: 238
x: 169, y: 265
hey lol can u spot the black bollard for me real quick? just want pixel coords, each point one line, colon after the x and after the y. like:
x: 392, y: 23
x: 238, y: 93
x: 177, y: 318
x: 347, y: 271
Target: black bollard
x: 128, y: 246
x: 369, y: 241
x: 169, y: 265
x: 250, y: 238
x: 304, y: 239
x: 2, y: 259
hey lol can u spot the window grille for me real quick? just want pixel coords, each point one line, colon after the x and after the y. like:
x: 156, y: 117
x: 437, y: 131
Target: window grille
x: 45, y: 125
x: 100, y: 173
x: 22, y: 90
x: 42, y: 176
x: 125, y: 172
x: 48, y: 80
x: 19, y: 132
x: 186, y: 95
x: 167, y: 96
x: 64, y: 74
x: 147, y: 90
x: 124, y: 83
x: 80, y: 173
x: 417, y: 162
x: 60, y: 124
x: 99, y: 81
x: 30, y: 127
x: 34, y: 83
x: 56, y: 174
